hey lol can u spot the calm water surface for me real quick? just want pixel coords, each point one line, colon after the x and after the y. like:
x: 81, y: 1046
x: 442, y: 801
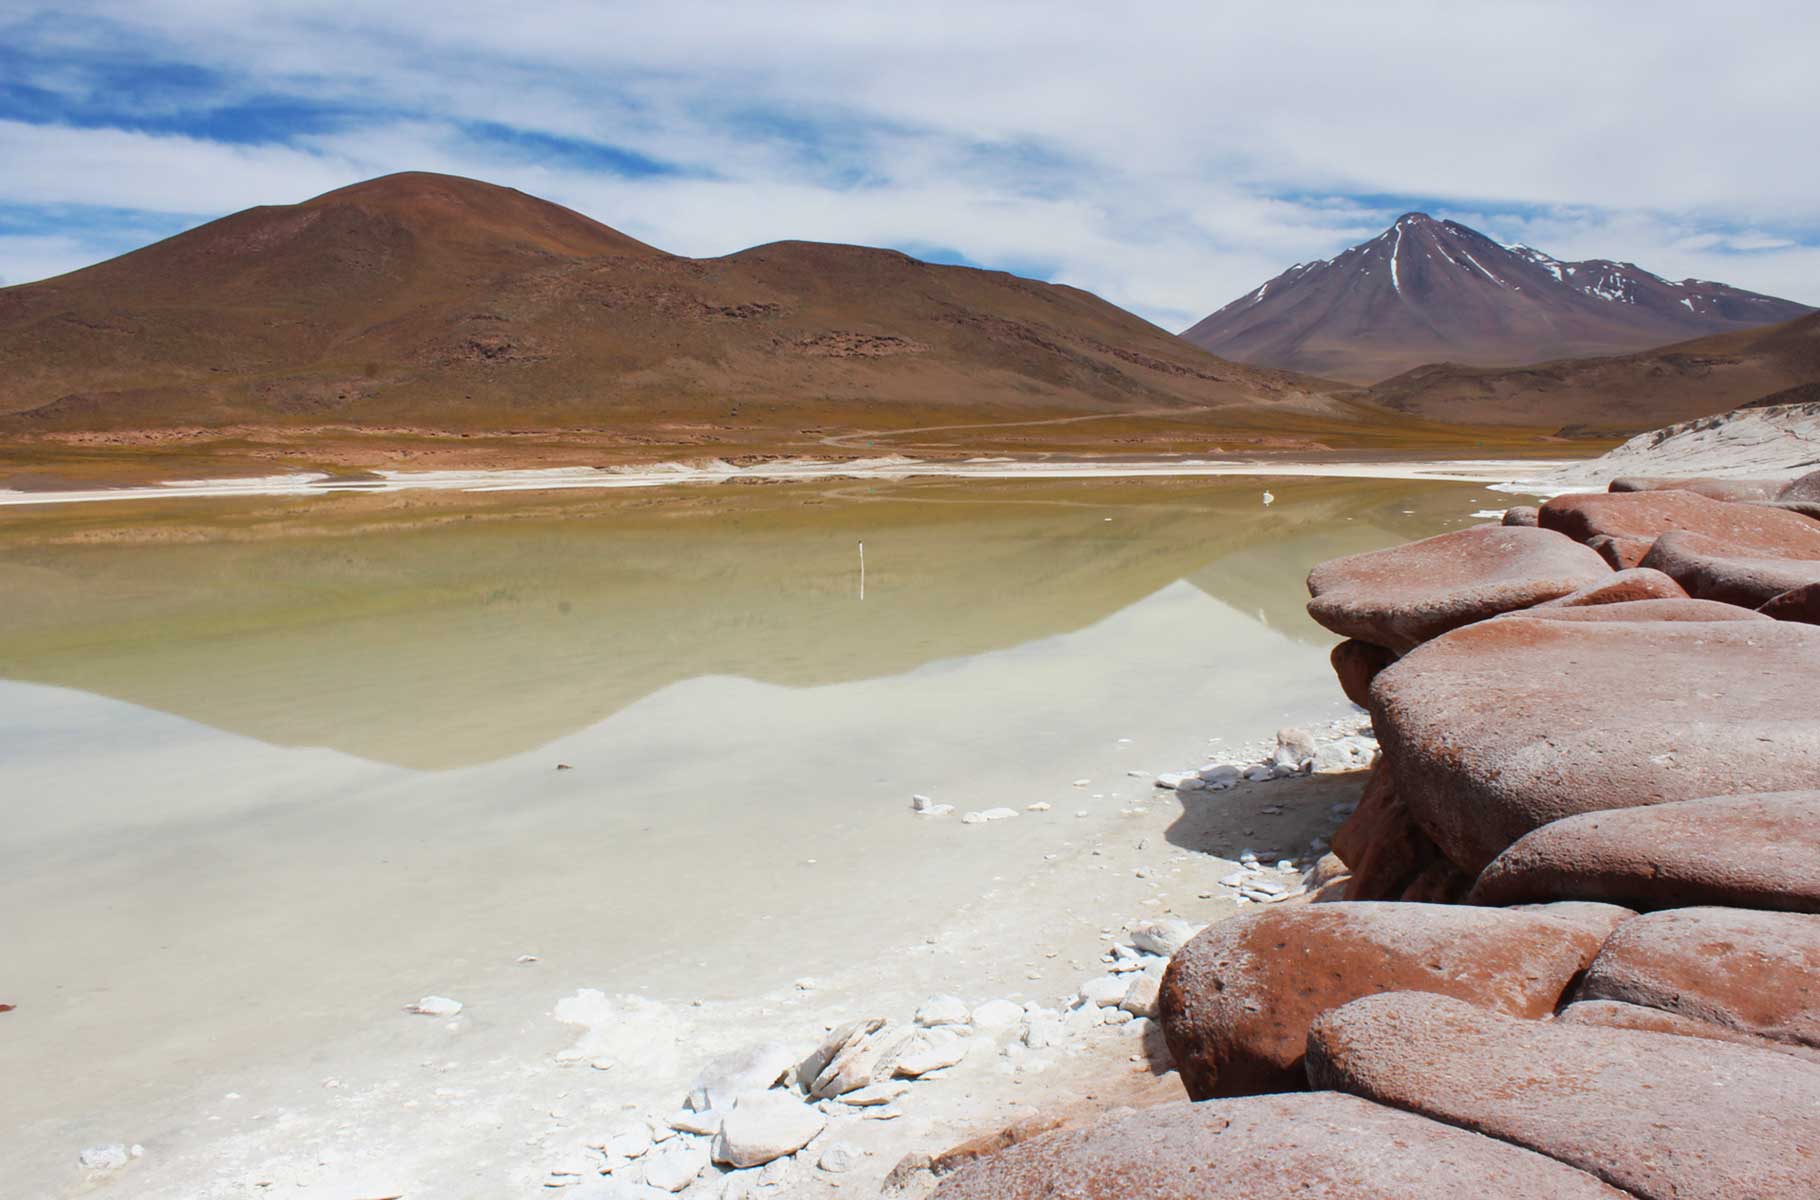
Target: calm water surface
x: 268, y: 772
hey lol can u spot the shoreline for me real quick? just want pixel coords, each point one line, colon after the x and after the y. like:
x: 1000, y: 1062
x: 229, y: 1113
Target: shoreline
x: 1513, y: 474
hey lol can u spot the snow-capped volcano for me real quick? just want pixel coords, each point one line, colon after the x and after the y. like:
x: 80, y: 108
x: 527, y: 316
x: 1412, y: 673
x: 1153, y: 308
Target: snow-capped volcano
x: 1428, y: 291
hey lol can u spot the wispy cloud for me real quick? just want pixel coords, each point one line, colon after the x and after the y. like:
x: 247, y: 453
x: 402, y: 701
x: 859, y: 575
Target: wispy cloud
x: 1168, y: 157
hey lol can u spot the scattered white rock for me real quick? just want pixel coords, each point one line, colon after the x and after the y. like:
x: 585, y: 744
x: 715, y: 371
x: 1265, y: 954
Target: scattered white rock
x: 942, y: 1010
x: 1259, y: 773
x: 765, y: 1126
x: 110, y: 1157
x: 1220, y: 778
x: 1104, y: 991
x: 933, y: 1050
x: 875, y: 1095
x: 1165, y: 937
x: 436, y: 1006
x: 839, y: 1158
x: 702, y: 1124
x: 629, y: 1143
x: 921, y: 803
x: 754, y: 1069
x: 675, y: 1166
x: 1039, y: 806
x: 1171, y: 780
x: 997, y: 1015
x: 1140, y: 998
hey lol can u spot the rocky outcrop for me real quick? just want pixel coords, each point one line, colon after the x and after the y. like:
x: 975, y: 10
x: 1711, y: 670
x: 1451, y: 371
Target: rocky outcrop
x: 1236, y: 1003
x: 1649, y: 515
x: 1622, y: 586
x: 1755, y: 972
x: 1715, y: 489
x: 1615, y: 1014
x: 1322, y: 1146
x: 1733, y: 572
x: 1802, y: 604
x: 1403, y: 596
x: 1662, y: 1117
x: 1500, y: 728
x: 1760, y: 851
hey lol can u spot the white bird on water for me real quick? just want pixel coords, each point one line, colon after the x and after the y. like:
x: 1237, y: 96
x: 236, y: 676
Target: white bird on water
x: 1269, y: 499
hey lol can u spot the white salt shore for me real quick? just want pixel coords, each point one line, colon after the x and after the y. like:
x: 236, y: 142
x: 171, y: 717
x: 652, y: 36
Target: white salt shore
x: 892, y: 467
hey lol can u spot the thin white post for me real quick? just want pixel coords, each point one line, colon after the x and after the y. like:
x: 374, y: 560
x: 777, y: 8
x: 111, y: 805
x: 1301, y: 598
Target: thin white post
x: 862, y: 570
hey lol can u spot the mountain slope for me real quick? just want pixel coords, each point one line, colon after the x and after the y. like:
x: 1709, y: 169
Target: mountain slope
x: 1427, y: 291
x: 1623, y: 393
x: 428, y: 302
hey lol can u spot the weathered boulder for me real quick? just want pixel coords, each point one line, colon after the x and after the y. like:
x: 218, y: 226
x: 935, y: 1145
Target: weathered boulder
x: 1806, y: 487
x: 1664, y: 1118
x: 1621, y: 554
x: 1615, y: 1014
x: 1714, y: 489
x: 1507, y: 725
x: 1383, y: 846
x: 1649, y: 515
x: 1521, y: 514
x: 1405, y: 595
x: 1646, y: 610
x: 1596, y: 918
x: 1357, y: 664
x: 1756, y: 972
x: 763, y: 1126
x: 1801, y: 604
x: 1321, y: 1146
x: 1737, y: 572
x: 1758, y: 851
x: 1236, y: 1003
x: 1622, y: 586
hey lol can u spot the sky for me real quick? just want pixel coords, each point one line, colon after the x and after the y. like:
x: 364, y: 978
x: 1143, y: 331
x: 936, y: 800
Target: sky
x: 1167, y: 156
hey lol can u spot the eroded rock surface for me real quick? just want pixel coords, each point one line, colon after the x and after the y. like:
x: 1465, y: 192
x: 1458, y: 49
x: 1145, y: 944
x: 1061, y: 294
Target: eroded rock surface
x: 1615, y: 1014
x: 1756, y: 972
x: 1236, y: 1003
x: 1402, y: 596
x: 1802, y: 604
x: 1663, y: 1117
x: 1502, y: 727
x: 1321, y: 1146
x: 1649, y: 515
x: 1633, y: 584
x: 1733, y: 572
x: 1758, y: 851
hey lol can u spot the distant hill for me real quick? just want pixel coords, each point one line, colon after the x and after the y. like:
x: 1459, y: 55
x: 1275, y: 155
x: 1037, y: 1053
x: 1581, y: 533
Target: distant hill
x: 1427, y: 291
x: 428, y: 301
x: 1625, y: 393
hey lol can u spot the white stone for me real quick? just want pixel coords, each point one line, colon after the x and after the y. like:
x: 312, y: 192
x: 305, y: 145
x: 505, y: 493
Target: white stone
x: 922, y: 803
x: 1115, y: 1016
x: 1170, y: 780
x: 1039, y: 806
x: 1260, y: 773
x: 936, y: 810
x: 1220, y: 778
x: 942, y: 1010
x: 1165, y: 937
x: 1104, y: 991
x: 704, y: 1124
x: 875, y: 1095
x: 110, y: 1157
x: 997, y: 1015
x: 764, y: 1126
x: 751, y: 1070
x: 629, y: 1143
x: 839, y: 1158
x: 436, y: 1006
x: 999, y: 814
x: 674, y: 1167
x: 1234, y: 879
x: 1140, y: 998
x: 1137, y: 1027
x: 932, y: 1050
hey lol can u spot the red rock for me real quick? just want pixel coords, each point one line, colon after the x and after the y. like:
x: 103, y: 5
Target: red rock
x: 1802, y: 604
x: 1714, y: 489
x: 1805, y: 488
x: 1619, y: 587
x: 1736, y: 573
x: 1319, y: 1147
x: 1649, y: 515
x: 1755, y: 972
x: 1596, y: 918
x: 1357, y: 664
x: 1237, y: 1001
x: 1502, y: 727
x: 1663, y: 1117
x: 1621, y: 554
x: 1646, y: 610
x: 1522, y: 514
x: 1405, y: 595
x: 1615, y: 1014
x: 1382, y: 844
x: 1758, y: 851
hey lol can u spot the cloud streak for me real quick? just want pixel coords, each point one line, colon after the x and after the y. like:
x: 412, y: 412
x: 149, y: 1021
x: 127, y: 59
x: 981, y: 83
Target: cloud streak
x: 1169, y: 158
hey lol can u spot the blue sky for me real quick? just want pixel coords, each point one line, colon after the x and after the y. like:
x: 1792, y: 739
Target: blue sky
x: 1168, y: 158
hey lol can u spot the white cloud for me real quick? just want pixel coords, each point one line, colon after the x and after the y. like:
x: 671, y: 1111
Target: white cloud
x: 1168, y: 157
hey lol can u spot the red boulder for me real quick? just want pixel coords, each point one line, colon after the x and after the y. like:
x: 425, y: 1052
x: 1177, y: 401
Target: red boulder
x: 1737, y: 572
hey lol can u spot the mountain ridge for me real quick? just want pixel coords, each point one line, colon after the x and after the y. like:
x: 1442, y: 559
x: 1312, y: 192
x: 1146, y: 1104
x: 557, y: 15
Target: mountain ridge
x: 1426, y: 291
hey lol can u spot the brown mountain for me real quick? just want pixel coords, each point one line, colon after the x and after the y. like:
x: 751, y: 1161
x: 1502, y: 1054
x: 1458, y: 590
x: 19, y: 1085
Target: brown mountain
x: 1426, y: 291
x: 422, y: 302
x: 1624, y: 393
